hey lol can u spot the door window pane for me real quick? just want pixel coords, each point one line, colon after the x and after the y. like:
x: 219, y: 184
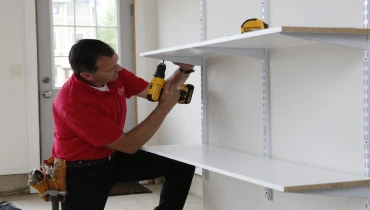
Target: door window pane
x: 62, y: 71
x: 74, y: 20
x: 64, y: 39
x: 85, y: 33
x: 107, y: 13
x: 85, y: 13
x: 109, y: 36
x: 63, y: 12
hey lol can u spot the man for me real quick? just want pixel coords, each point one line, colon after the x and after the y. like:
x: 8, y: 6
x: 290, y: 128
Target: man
x: 89, y: 115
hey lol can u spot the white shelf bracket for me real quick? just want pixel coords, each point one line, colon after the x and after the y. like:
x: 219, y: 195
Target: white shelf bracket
x: 356, y: 41
x: 195, y: 60
x: 351, y: 192
x: 239, y: 52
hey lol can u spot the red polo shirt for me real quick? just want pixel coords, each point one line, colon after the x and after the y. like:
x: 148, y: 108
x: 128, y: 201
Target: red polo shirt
x: 86, y: 119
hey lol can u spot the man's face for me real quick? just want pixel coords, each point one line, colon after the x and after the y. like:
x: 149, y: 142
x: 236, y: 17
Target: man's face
x: 107, y: 71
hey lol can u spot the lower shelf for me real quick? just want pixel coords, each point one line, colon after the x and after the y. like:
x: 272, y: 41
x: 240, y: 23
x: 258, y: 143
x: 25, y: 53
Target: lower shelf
x: 277, y: 175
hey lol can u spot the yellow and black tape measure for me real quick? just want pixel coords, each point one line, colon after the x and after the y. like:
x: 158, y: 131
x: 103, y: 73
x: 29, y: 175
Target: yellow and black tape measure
x: 252, y: 25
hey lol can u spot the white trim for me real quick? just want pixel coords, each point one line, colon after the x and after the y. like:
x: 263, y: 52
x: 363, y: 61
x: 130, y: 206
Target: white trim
x: 32, y: 86
x: 52, y: 45
x: 118, y: 30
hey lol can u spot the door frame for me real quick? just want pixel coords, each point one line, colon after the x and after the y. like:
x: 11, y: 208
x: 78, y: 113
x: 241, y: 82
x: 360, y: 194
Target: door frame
x: 133, y: 34
x: 127, y: 61
x: 33, y: 132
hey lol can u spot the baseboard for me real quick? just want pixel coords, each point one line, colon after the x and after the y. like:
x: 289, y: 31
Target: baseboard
x: 199, y: 171
x: 14, y: 184
x: 159, y: 180
x: 197, y: 186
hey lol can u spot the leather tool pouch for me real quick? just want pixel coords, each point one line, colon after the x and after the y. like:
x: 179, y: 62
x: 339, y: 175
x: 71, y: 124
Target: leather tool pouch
x: 55, y: 182
x: 43, y: 186
x: 4, y: 205
x: 59, y: 179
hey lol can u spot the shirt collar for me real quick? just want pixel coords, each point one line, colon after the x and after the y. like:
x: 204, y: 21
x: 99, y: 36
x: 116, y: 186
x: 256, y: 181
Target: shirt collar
x: 78, y: 81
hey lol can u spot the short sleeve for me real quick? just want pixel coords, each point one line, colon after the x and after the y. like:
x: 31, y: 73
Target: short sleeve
x: 92, y: 126
x: 132, y: 83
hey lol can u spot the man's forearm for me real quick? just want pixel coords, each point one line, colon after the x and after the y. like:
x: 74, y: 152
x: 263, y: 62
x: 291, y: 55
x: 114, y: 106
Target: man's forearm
x: 147, y: 128
x: 178, y: 78
x: 137, y: 137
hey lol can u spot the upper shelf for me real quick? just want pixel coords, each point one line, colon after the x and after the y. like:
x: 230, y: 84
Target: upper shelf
x: 251, y: 44
x: 278, y: 175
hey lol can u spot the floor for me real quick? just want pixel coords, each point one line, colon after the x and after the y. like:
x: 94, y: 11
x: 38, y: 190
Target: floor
x: 126, y: 202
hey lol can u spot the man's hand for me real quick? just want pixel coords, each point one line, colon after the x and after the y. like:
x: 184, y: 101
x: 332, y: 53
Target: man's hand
x: 184, y: 66
x: 169, y: 97
x: 176, y: 79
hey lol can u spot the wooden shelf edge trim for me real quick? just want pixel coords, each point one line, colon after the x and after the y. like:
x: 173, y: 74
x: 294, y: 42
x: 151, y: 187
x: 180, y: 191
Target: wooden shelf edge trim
x: 328, y: 186
x: 324, y: 30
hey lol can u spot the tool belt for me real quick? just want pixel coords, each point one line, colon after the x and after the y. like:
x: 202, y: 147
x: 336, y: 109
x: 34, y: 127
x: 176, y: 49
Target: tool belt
x: 50, y: 177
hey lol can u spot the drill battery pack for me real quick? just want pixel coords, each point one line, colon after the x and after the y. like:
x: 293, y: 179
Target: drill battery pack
x: 186, y: 93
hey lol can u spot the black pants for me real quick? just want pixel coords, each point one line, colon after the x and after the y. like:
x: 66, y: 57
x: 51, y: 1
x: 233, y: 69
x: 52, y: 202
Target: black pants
x: 88, y: 186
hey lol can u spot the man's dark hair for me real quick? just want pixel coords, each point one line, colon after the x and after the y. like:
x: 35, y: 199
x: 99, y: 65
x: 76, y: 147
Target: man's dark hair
x: 84, y: 54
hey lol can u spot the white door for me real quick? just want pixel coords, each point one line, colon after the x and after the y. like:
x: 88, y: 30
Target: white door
x: 60, y: 23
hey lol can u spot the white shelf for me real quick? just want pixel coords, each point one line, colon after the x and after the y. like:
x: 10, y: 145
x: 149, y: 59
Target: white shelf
x: 278, y: 175
x: 252, y: 44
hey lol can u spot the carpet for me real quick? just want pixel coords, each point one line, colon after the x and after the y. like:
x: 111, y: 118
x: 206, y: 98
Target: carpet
x: 128, y: 188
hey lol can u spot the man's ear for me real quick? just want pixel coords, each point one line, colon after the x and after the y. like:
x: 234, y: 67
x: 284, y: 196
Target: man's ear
x: 87, y: 76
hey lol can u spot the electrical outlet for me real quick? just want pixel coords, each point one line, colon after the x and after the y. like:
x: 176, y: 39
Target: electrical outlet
x: 16, y: 70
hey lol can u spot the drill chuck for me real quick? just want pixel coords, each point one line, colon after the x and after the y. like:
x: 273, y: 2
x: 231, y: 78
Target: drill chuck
x: 160, y: 72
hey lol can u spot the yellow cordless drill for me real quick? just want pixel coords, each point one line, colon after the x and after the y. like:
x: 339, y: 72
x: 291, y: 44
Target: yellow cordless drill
x: 158, y: 82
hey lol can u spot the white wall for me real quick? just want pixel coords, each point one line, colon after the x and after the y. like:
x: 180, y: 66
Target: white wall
x: 166, y: 26
x: 316, y: 103
x: 16, y: 17
x: 146, y: 27
x: 178, y: 23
